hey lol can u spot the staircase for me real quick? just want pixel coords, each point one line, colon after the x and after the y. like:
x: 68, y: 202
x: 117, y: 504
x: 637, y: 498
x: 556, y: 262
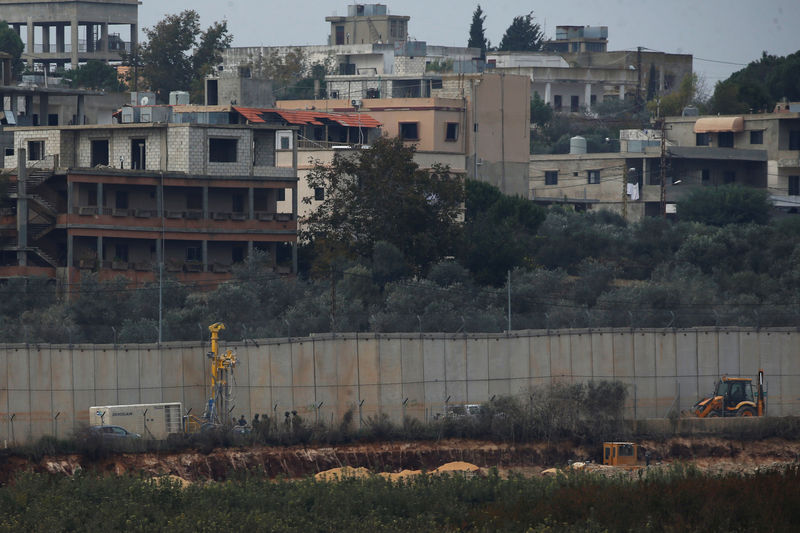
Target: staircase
x: 41, y: 253
x: 37, y: 231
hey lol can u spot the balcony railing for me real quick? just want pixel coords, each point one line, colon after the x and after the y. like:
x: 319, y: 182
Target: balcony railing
x: 114, y: 45
x: 190, y: 214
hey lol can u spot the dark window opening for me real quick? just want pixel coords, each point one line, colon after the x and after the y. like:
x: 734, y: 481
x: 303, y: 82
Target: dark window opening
x: 237, y: 254
x: 794, y: 185
x: 222, y: 150
x: 212, y: 92
x: 794, y: 140
x: 194, y: 253
x: 594, y: 176
x: 436, y: 84
x: 557, y: 102
x: 339, y: 35
x: 409, y: 131
x: 725, y: 139
x: 121, y: 252
x: 121, y: 200
x: 593, y: 99
x: 319, y: 194
x: 281, y: 195
x: 574, y: 104
x: 52, y: 119
x: 451, y: 134
x: 35, y: 150
x: 92, y: 201
x: 728, y: 177
x: 194, y: 200
x: 285, y: 144
x: 551, y: 177
x: 237, y: 203
x: 702, y: 139
x: 757, y: 137
x: 138, y: 154
x: 706, y: 175
x: 99, y: 152
x: 347, y: 69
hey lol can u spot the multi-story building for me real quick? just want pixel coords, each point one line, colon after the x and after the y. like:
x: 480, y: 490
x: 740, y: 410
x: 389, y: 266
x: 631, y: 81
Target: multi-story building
x: 368, y: 23
x: 97, y: 29
x: 760, y: 151
x: 195, y: 194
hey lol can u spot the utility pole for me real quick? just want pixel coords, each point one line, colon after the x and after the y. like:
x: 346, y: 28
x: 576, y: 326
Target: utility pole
x: 625, y: 192
x: 663, y: 169
x: 638, y: 78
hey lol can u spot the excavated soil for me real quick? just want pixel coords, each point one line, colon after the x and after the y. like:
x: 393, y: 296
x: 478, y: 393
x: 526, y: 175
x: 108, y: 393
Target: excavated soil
x: 708, y: 454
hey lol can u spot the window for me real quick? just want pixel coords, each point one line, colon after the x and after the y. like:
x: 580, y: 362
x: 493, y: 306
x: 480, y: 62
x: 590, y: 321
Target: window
x: 194, y: 200
x: 121, y: 252
x: 409, y: 131
x: 35, y: 150
x: 551, y: 177
x: 794, y: 185
x: 728, y: 177
x: 573, y: 104
x: 757, y: 137
x: 92, y: 197
x: 557, y: 102
x: 99, y: 152
x: 794, y: 140
x: 706, y: 175
x: 594, y: 176
x: 725, y: 139
x: 194, y: 253
x: 237, y: 203
x: 451, y: 133
x: 237, y: 254
x: 319, y: 194
x: 222, y: 150
x: 121, y: 201
x: 702, y: 139
x: 281, y: 195
x: 436, y: 84
x: 593, y: 100
x: 138, y: 154
x: 339, y: 35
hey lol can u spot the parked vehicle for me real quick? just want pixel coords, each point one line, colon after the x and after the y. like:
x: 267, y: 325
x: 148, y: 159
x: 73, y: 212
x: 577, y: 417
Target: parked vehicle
x: 113, y: 432
x: 150, y: 420
x: 733, y: 397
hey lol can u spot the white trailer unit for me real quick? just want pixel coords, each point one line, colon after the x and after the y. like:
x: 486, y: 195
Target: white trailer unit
x: 150, y: 420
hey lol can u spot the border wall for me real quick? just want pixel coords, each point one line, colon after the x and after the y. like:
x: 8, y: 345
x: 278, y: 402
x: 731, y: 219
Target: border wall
x: 48, y: 389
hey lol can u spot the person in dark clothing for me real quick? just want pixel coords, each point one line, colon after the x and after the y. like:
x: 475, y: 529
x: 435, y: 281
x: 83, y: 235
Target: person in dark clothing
x: 242, y: 421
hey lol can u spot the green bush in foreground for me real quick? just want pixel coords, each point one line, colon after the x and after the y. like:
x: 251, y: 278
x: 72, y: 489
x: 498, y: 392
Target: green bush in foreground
x: 676, y: 500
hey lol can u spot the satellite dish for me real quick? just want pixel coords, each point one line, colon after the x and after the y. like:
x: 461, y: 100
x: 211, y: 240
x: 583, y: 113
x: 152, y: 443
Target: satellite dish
x: 145, y: 100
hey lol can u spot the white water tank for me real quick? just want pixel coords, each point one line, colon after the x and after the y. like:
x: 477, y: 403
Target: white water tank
x: 577, y: 145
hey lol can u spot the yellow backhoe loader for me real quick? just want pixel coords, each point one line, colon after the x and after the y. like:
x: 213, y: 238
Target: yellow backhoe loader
x: 733, y: 397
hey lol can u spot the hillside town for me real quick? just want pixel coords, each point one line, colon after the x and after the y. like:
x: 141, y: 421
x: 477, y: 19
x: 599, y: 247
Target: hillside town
x: 383, y: 264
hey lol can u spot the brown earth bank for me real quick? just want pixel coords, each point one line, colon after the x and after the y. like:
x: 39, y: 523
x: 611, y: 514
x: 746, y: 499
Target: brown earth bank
x: 713, y: 455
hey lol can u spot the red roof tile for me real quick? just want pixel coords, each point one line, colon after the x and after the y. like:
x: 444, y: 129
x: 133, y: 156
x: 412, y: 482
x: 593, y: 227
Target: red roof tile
x: 316, y: 118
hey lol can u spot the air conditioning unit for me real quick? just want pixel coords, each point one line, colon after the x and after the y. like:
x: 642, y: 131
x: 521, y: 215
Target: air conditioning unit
x: 146, y: 114
x: 355, y: 102
x: 178, y: 98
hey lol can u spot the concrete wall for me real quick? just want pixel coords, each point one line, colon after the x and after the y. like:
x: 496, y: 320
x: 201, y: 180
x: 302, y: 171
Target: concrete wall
x: 398, y: 374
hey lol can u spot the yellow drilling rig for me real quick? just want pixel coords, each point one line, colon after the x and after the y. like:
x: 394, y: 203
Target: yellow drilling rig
x: 218, y: 407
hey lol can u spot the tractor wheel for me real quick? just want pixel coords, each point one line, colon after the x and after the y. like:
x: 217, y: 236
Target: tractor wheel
x: 713, y: 414
x: 746, y: 411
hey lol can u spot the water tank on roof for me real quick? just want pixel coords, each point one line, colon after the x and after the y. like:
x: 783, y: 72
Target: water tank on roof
x: 577, y: 145
x: 690, y: 111
x: 178, y: 98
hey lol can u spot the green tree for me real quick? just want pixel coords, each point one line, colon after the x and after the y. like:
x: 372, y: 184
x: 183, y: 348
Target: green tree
x: 759, y: 85
x: 381, y: 194
x: 541, y: 112
x: 523, y: 35
x: 672, y: 104
x: 728, y: 204
x: 177, y: 52
x: 477, y: 33
x: 11, y: 43
x: 95, y: 75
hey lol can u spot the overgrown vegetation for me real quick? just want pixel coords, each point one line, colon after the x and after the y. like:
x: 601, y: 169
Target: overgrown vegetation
x: 567, y: 270
x: 679, y: 499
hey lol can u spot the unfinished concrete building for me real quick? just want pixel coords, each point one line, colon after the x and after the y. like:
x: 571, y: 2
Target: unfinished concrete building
x: 58, y: 32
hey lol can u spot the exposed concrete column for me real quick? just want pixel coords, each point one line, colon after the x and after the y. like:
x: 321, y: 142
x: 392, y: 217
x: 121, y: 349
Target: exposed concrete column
x: 547, y: 93
x: 30, y: 41
x: 159, y: 249
x: 295, y: 190
x: 160, y: 199
x: 45, y: 38
x: 205, y: 203
x: 70, y: 198
x: 70, y: 257
x: 134, y: 36
x: 251, y: 215
x: 89, y: 38
x: 249, y: 249
x: 99, y: 251
x: 622, y: 92
x: 22, y: 208
x: 44, y: 109
x: 73, y: 55
x: 587, y: 96
x: 100, y: 204
x: 60, y: 38
x: 204, y: 244
x: 81, y: 109
x: 104, y: 39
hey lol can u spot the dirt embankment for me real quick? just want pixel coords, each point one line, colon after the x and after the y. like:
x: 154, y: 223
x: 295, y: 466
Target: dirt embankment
x: 715, y: 455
